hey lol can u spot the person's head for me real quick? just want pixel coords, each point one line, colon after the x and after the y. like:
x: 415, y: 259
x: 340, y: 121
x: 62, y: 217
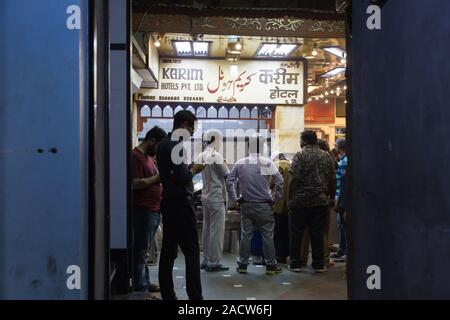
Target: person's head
x: 340, y: 147
x: 308, y: 138
x: 275, y: 156
x: 151, y: 140
x: 185, y: 120
x: 323, y: 145
x: 213, y: 138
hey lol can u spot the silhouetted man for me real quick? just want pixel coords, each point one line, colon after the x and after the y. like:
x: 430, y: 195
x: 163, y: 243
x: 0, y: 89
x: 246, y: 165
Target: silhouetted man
x: 178, y: 214
x: 312, y: 187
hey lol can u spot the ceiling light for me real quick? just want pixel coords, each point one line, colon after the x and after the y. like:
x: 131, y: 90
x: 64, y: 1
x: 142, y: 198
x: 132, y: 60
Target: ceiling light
x: 275, y: 50
x: 234, y: 47
x: 334, y: 72
x: 345, y: 87
x: 191, y: 48
x: 326, y: 100
x: 201, y: 48
x: 158, y: 42
x: 338, y: 93
x: 238, y: 45
x: 338, y: 52
x: 183, y: 48
x: 314, y: 52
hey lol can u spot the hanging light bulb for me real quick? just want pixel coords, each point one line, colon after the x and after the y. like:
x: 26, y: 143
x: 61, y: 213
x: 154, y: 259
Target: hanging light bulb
x: 338, y: 93
x: 345, y: 87
x: 310, y: 99
x: 332, y: 91
x: 326, y: 93
x: 345, y: 101
x: 322, y: 95
x: 314, y: 52
x: 158, y: 42
x: 326, y: 100
x: 317, y: 98
x: 238, y: 45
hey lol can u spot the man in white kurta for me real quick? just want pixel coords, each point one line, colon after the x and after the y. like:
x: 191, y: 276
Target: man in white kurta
x: 214, y: 201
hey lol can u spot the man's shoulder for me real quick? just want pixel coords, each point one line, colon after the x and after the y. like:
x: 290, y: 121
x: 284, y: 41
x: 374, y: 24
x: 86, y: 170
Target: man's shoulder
x: 138, y: 155
x: 242, y: 161
x: 298, y: 156
x: 284, y: 164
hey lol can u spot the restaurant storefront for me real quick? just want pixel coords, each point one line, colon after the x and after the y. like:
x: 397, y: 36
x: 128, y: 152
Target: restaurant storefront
x: 262, y: 96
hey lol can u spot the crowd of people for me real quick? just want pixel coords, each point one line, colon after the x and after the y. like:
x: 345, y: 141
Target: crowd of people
x: 288, y: 206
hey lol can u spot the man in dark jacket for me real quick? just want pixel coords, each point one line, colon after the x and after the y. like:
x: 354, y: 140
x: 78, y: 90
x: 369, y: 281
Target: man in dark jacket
x: 312, y: 187
x: 178, y: 214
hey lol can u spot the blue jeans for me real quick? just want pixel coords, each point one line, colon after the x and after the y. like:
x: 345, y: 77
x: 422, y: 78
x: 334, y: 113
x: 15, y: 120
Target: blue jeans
x: 145, y: 225
x: 342, y: 235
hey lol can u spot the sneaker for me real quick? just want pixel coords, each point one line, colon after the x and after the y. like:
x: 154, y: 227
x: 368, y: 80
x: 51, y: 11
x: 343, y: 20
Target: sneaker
x: 241, y: 268
x: 341, y: 259
x: 272, y: 270
x: 335, y: 255
x: 220, y: 267
x: 320, y: 270
x: 295, y: 267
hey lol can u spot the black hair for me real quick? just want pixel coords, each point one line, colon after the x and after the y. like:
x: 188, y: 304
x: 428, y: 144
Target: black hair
x: 156, y: 133
x: 183, y: 116
x: 323, y: 144
x: 281, y: 156
x: 309, y: 137
x: 341, y: 145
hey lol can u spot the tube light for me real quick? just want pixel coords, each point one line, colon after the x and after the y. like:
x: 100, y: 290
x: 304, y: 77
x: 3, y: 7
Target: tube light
x: 338, y: 52
x: 334, y: 72
x: 201, y: 48
x: 183, y: 48
x: 275, y: 50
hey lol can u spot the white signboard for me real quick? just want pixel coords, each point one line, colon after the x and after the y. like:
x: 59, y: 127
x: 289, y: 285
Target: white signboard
x: 212, y: 81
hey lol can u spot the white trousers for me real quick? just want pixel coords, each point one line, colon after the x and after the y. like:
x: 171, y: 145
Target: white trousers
x: 213, y: 233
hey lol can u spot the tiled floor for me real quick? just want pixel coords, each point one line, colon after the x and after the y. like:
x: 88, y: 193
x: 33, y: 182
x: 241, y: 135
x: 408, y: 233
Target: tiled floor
x: 256, y: 285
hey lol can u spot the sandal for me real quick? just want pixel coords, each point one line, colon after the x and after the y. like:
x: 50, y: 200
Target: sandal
x: 151, y: 297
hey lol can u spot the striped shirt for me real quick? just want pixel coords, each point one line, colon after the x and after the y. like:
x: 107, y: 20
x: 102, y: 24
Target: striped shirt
x: 340, y: 173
